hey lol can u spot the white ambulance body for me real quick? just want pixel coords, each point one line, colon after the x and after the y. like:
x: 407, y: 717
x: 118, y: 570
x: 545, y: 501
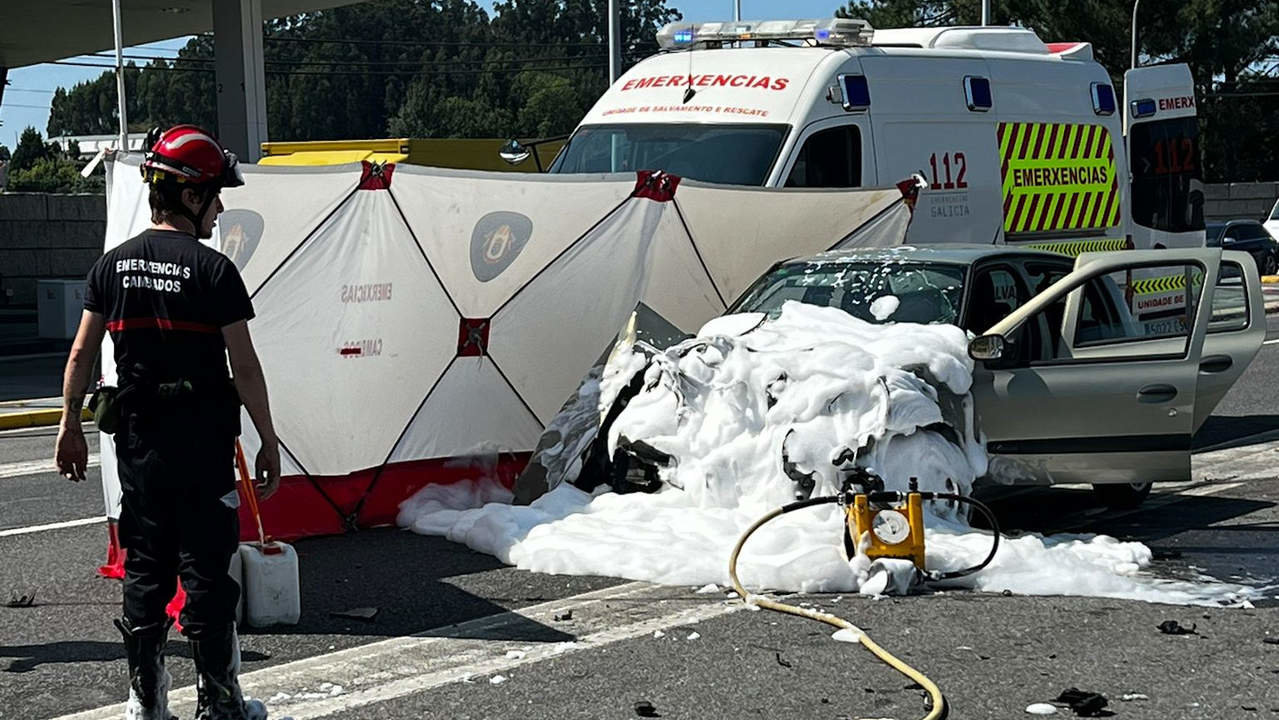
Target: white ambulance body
x: 1021, y: 142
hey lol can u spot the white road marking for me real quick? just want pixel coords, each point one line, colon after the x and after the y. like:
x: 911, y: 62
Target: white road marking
x: 401, y: 666
x: 51, y: 526
x: 1270, y: 342
x: 38, y: 467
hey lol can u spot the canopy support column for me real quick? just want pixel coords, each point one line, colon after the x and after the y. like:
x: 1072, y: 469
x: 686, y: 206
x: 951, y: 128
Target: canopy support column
x: 240, y: 76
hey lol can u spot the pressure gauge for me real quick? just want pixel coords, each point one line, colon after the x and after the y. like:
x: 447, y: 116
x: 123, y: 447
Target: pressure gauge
x: 891, y: 527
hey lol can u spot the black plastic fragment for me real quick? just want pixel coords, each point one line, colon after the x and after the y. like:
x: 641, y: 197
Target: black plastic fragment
x: 1172, y: 627
x: 1084, y: 703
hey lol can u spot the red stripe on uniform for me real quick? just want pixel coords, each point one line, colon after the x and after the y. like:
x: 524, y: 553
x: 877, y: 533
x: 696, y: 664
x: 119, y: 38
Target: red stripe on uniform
x: 158, y: 323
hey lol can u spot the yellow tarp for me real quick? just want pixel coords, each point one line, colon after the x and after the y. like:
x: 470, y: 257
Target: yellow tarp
x: 332, y: 157
x: 461, y: 153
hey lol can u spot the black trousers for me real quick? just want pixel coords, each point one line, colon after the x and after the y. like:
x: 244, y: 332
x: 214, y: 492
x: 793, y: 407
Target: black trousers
x: 178, y: 515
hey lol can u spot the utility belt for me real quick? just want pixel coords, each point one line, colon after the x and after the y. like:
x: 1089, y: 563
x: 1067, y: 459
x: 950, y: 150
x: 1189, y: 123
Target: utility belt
x: 216, y: 400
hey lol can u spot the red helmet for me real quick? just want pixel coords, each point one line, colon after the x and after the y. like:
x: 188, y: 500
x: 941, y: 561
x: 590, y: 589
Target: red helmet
x: 188, y: 154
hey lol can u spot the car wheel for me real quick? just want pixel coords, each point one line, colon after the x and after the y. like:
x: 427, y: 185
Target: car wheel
x: 1121, y: 496
x: 1269, y: 266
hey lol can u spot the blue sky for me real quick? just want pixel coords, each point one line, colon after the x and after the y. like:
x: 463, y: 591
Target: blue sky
x: 26, y: 100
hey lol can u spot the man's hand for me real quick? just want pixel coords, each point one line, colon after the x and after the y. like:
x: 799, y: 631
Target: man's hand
x: 267, y: 470
x: 72, y: 453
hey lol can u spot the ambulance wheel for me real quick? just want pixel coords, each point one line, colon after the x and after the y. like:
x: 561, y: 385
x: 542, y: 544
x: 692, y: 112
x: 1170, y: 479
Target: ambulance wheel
x: 1121, y: 496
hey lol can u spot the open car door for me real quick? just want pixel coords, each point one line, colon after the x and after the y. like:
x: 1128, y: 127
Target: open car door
x: 1083, y: 391
x: 1236, y: 329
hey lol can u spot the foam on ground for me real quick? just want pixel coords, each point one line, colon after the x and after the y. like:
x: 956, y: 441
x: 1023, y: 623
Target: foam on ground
x: 816, y: 383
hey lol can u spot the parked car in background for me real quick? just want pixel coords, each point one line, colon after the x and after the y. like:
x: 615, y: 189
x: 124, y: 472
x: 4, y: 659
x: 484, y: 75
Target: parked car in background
x: 1272, y: 222
x: 1248, y: 236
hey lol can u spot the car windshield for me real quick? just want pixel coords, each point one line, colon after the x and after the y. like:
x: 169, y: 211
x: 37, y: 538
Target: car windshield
x: 728, y: 154
x: 1212, y: 232
x: 876, y: 292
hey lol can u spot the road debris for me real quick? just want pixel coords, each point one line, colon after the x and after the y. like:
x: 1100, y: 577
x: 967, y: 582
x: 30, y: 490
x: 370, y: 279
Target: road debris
x: 1084, y: 703
x: 1172, y: 627
x: 20, y: 601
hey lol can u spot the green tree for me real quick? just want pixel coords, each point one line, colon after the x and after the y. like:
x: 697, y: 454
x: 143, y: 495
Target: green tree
x: 1222, y: 41
x: 30, y: 150
x: 5, y: 155
x: 431, y: 68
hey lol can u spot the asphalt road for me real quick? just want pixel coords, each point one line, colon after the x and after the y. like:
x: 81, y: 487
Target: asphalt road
x: 992, y: 655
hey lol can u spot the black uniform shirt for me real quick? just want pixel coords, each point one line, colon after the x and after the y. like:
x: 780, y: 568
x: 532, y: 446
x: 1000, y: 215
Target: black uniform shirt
x: 166, y: 298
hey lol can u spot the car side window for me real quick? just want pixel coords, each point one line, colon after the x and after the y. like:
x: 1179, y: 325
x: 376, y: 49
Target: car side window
x: 996, y: 292
x: 1229, y: 300
x: 1151, y: 303
x: 1042, y: 276
x: 830, y: 158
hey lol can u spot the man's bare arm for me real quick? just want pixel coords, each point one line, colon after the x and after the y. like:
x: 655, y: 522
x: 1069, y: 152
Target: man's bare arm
x: 249, y: 381
x: 251, y: 386
x: 75, y: 379
x: 71, y: 453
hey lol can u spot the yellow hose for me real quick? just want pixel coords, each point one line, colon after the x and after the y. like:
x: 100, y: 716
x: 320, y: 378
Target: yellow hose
x: 939, y: 703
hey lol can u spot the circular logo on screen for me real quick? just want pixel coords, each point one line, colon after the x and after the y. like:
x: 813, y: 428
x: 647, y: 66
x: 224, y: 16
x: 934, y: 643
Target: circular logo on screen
x: 496, y: 241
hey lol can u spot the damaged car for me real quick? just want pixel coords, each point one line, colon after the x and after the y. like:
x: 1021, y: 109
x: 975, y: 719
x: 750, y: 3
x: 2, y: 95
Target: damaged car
x: 1094, y: 370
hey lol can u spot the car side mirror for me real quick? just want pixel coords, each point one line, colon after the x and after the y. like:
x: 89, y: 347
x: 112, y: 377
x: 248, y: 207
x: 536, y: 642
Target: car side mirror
x: 987, y: 348
x: 514, y: 152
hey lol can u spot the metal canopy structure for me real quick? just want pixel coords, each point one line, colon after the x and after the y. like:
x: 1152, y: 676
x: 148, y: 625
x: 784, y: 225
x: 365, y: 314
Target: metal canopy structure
x: 36, y: 32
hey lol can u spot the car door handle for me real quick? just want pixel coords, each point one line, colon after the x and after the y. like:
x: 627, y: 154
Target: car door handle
x: 1156, y: 393
x: 1216, y: 364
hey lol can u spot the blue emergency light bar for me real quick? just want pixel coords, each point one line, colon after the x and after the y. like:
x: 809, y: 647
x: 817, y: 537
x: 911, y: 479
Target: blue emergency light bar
x: 1143, y: 108
x: 833, y: 32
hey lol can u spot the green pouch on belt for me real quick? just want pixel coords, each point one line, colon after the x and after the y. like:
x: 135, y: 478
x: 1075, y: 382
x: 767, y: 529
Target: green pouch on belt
x: 105, y: 407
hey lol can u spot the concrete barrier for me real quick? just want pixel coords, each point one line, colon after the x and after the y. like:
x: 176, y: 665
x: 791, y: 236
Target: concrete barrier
x: 44, y: 237
x: 1234, y: 201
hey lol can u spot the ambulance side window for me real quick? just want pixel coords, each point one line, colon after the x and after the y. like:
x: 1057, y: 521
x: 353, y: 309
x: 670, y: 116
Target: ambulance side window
x: 830, y: 158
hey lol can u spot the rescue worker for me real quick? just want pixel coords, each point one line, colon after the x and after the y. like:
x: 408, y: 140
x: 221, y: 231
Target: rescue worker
x: 176, y: 309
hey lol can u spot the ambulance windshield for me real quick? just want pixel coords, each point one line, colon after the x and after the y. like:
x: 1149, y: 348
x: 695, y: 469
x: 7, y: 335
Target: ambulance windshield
x: 1167, y: 186
x: 728, y: 154
x: 876, y: 292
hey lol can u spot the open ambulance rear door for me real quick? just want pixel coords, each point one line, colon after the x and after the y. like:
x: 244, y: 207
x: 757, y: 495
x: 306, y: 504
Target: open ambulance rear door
x: 1161, y: 129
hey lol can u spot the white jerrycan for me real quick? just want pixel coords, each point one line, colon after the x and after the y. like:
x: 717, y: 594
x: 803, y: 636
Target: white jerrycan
x: 271, y: 592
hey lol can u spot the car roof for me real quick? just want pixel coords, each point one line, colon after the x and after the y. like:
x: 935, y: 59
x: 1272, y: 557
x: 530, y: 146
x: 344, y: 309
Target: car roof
x: 954, y: 254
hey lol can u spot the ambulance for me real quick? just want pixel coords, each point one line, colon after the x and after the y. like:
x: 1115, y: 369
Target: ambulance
x: 1020, y: 141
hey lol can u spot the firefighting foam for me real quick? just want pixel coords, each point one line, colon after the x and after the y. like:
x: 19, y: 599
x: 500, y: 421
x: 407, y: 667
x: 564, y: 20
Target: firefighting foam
x: 817, y: 383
